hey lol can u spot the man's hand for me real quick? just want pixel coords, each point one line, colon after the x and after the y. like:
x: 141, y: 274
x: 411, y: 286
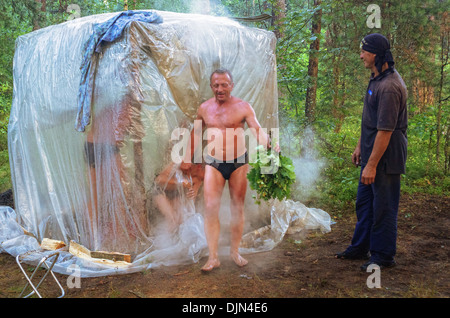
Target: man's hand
x: 192, y: 193
x: 356, y: 156
x: 192, y: 190
x: 276, y: 148
x: 368, y: 175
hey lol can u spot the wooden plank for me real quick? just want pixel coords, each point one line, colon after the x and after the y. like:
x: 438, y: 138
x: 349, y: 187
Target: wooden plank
x: 52, y: 245
x: 79, y: 250
x: 113, y: 256
x: 107, y: 258
x: 109, y: 262
x: 26, y: 232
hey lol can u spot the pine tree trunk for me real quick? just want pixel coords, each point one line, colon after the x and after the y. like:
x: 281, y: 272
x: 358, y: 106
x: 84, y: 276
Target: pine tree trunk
x: 37, y: 17
x: 444, y: 62
x: 313, y: 67
x: 279, y: 13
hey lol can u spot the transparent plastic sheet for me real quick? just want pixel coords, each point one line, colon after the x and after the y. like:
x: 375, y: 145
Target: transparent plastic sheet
x: 287, y: 217
x: 98, y: 187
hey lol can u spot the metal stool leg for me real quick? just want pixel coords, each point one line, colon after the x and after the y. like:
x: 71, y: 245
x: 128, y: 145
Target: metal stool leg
x: 49, y: 270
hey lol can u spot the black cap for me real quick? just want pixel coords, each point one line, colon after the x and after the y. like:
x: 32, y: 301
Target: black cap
x: 379, y: 45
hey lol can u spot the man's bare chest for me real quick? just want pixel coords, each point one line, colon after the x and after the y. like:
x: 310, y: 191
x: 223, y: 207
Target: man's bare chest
x: 222, y: 119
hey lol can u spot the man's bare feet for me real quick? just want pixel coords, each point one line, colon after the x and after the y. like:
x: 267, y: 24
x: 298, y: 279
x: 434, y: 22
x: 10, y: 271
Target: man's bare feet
x: 238, y: 259
x: 210, y: 265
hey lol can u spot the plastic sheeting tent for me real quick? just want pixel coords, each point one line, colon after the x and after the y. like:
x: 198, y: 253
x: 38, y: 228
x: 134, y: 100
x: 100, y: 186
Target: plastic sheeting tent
x: 96, y: 186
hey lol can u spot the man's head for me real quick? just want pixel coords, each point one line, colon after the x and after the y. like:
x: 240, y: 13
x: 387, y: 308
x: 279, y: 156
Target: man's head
x: 375, y: 51
x: 221, y: 82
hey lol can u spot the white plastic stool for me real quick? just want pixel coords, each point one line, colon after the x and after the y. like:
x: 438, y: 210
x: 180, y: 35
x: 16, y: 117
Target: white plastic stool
x: 49, y: 270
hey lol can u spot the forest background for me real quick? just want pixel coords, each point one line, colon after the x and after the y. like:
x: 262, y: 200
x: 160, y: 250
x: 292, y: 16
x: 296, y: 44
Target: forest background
x: 321, y: 80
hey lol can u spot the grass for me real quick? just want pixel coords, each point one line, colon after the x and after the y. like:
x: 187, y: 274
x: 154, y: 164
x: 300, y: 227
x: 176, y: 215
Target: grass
x: 421, y: 289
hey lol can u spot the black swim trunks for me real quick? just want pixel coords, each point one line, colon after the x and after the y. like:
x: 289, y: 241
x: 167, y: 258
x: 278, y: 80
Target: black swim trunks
x: 226, y: 168
x: 106, y: 151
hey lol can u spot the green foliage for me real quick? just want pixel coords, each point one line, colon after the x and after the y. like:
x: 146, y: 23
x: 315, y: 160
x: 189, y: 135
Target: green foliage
x: 424, y: 170
x: 5, y: 107
x: 272, y: 175
x: 340, y: 177
x: 292, y: 52
x: 5, y: 177
x: 15, y: 20
x: 417, y: 40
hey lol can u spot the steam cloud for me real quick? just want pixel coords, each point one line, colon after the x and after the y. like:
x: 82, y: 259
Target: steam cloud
x: 307, y: 162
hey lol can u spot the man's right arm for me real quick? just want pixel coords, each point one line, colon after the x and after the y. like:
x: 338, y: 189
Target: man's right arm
x: 379, y: 147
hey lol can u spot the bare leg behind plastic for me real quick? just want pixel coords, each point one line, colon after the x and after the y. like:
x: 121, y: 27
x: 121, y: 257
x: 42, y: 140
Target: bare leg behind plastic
x: 238, y: 188
x: 92, y: 203
x: 213, y: 188
x: 166, y: 207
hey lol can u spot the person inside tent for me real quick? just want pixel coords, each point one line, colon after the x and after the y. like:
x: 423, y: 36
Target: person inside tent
x: 172, y: 187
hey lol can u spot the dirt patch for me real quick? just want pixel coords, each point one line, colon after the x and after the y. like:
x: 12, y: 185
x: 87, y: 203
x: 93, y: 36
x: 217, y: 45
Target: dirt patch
x: 301, y: 266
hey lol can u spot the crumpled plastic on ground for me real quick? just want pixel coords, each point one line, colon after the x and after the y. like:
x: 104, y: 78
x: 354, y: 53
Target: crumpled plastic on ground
x: 287, y: 217
x: 187, y: 246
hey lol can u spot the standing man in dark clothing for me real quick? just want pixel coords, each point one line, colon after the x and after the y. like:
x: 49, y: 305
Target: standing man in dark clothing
x: 381, y: 152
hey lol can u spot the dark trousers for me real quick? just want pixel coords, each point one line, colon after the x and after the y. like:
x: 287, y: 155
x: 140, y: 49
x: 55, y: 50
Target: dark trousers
x: 376, y: 211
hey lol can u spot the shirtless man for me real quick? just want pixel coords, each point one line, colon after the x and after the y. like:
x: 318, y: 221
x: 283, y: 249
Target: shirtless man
x: 227, y: 161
